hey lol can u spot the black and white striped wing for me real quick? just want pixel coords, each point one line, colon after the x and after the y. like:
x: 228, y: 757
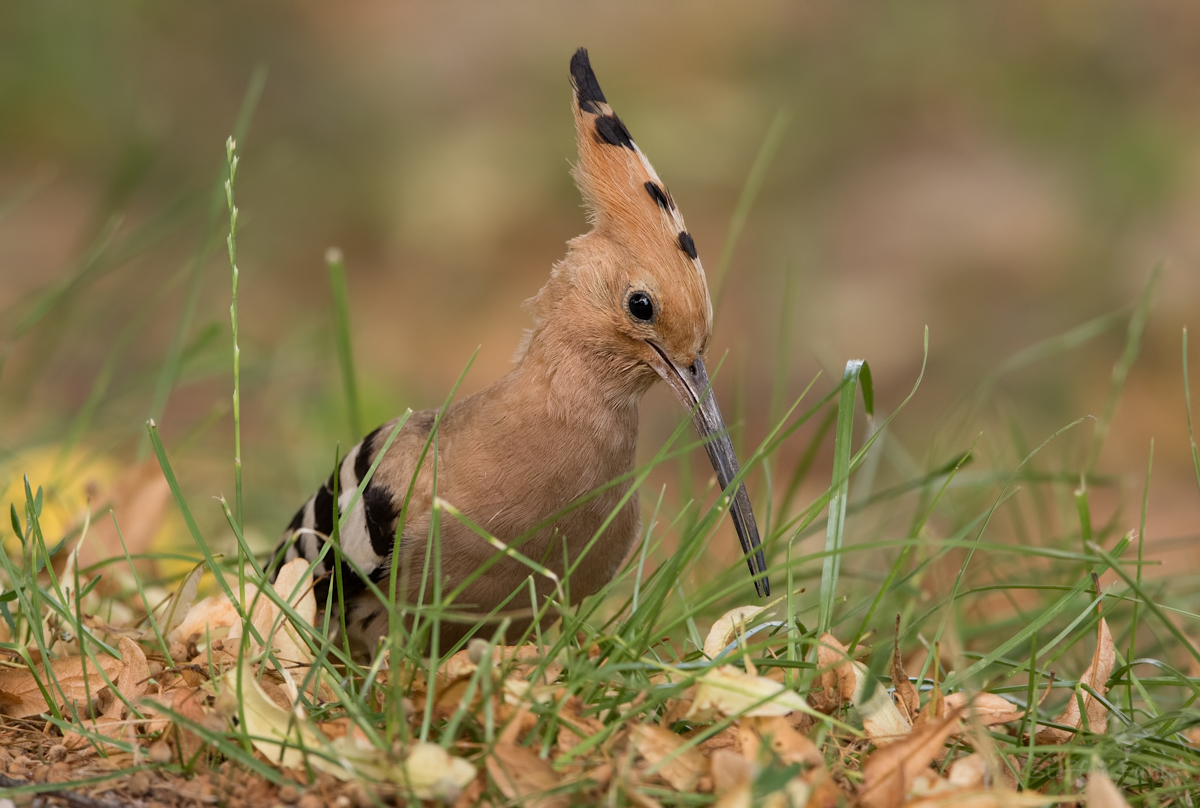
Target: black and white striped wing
x: 367, y: 531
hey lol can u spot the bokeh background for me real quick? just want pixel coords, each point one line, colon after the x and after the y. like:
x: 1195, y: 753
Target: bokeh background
x: 998, y: 172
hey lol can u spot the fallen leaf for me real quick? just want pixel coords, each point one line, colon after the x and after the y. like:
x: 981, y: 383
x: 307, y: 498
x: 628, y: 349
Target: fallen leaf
x: 133, y: 678
x: 730, y: 771
x: 180, y: 602
x: 188, y: 703
x: 1101, y: 792
x: 787, y: 744
x: 682, y: 771
x: 521, y: 659
x: 837, y: 674
x: 294, y: 586
x: 427, y: 772
x: 889, y: 772
x: 518, y: 691
x: 573, y: 726
x: 209, y: 619
x: 432, y: 773
x: 727, y: 628
x: 279, y: 734
x: 986, y: 708
x: 906, y: 692
x: 726, y: 690
x: 75, y: 679
x: 969, y: 771
x: 522, y: 775
x: 882, y: 720
x: 1096, y: 677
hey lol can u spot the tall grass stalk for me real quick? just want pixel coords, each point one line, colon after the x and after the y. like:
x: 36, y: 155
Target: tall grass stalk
x: 341, y: 332
x: 231, y: 243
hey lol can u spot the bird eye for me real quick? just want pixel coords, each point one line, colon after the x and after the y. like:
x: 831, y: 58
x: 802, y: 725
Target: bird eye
x: 641, y: 307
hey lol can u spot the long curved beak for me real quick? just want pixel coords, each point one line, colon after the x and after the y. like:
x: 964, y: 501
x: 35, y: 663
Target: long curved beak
x: 691, y: 387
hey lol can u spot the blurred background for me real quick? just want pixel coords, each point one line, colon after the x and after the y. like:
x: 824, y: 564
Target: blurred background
x: 1000, y: 172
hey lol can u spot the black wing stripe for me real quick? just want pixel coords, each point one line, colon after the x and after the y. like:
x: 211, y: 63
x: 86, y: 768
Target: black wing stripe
x: 381, y: 515
x: 366, y: 451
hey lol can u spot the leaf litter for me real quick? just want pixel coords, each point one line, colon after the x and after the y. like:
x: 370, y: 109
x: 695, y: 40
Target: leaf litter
x: 743, y: 736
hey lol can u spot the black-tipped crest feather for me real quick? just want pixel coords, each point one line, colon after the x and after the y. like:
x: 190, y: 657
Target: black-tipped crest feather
x: 587, y: 89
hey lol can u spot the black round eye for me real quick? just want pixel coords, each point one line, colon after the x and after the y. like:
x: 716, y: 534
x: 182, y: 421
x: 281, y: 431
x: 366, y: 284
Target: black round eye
x: 641, y: 306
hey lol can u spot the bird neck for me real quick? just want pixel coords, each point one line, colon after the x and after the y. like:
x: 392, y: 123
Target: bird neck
x: 577, y: 377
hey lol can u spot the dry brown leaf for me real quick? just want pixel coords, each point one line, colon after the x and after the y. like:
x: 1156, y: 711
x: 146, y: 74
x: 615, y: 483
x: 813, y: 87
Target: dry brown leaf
x: 890, y: 771
x: 740, y: 797
x: 294, y: 585
x: 522, y: 775
x: 654, y: 743
x: 730, y: 771
x: 572, y: 722
x: 837, y: 673
x: 733, y: 781
x: 133, y: 678
x: 522, y: 659
x: 131, y: 683
x: 969, y: 771
x: 1102, y: 792
x: 725, y: 739
x: 77, y: 679
x: 882, y: 720
x: 209, y: 619
x: 727, y: 628
x: 1096, y: 676
x: 906, y: 692
x: 787, y: 744
x: 188, y: 702
x: 986, y: 708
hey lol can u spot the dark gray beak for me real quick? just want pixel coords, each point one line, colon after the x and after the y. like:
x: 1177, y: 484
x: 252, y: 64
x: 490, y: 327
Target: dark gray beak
x: 691, y: 386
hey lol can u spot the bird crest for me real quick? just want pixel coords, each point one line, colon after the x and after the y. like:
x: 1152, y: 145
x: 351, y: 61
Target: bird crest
x: 623, y: 192
x: 638, y: 241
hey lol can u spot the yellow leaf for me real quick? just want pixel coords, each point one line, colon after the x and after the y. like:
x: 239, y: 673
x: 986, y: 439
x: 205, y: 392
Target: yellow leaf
x: 278, y: 733
x: 727, y: 628
x: 428, y: 772
x: 181, y: 601
x: 726, y: 690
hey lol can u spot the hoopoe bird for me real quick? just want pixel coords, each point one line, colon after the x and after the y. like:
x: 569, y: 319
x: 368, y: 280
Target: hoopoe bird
x: 626, y: 307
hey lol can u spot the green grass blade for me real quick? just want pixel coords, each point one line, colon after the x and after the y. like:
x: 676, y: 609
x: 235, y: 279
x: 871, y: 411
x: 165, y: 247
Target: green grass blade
x: 341, y: 327
x: 857, y: 372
